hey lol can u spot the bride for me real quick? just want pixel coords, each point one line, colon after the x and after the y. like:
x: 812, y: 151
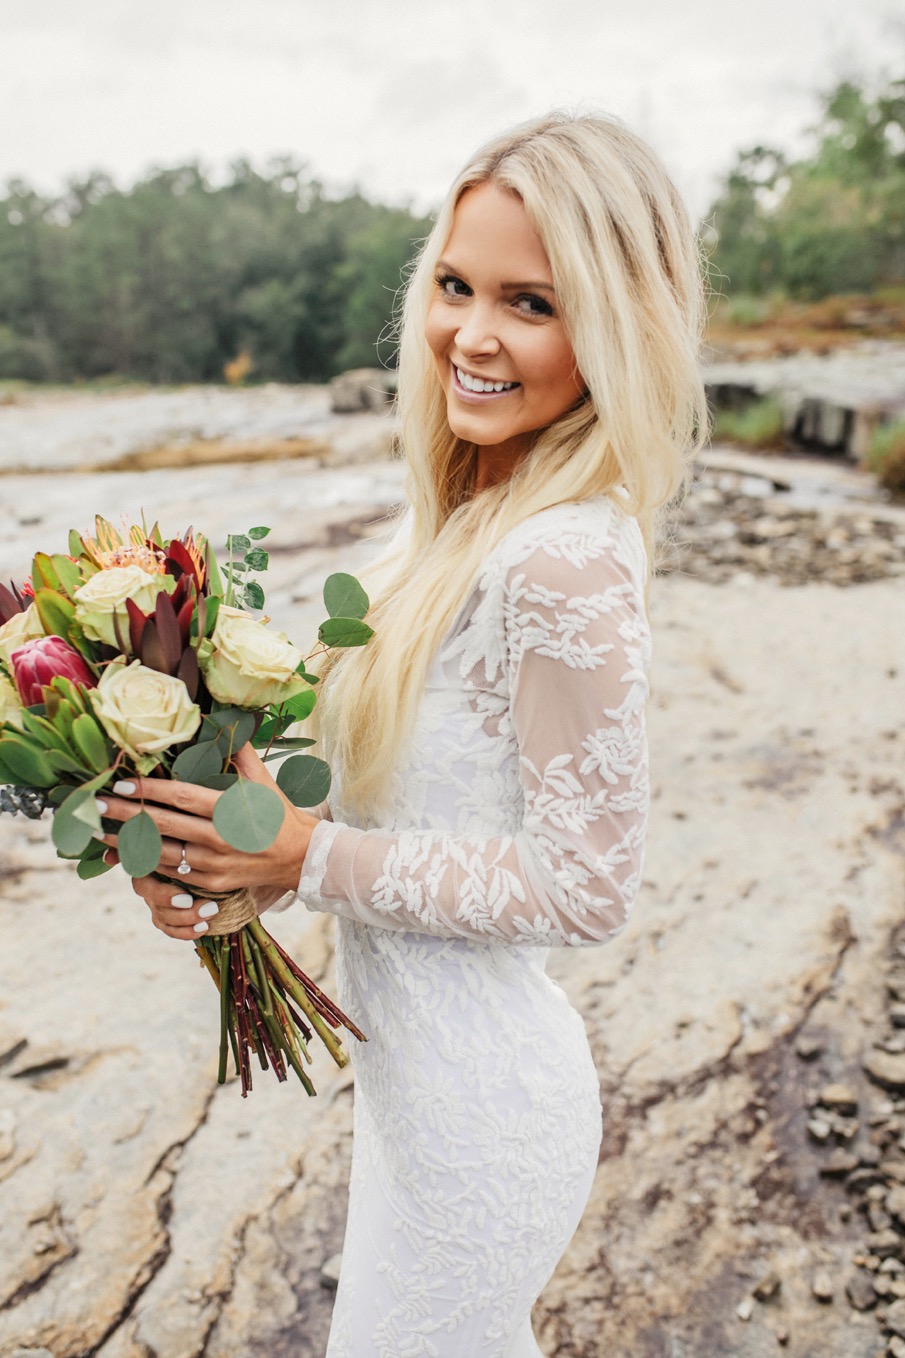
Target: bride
x: 490, y: 787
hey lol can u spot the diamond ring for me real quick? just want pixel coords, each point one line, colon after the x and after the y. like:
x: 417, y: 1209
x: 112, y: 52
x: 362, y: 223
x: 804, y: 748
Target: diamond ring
x: 184, y: 866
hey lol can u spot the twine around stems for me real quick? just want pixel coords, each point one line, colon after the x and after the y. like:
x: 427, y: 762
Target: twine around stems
x: 237, y: 908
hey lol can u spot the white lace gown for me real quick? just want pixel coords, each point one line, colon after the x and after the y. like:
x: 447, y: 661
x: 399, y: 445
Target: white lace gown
x: 518, y: 824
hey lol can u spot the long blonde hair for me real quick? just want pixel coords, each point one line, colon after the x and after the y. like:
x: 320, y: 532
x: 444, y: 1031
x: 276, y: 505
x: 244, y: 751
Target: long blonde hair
x: 628, y: 282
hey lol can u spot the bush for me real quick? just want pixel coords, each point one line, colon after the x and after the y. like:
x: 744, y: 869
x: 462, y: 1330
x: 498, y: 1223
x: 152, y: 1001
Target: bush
x: 886, y: 455
x: 759, y: 425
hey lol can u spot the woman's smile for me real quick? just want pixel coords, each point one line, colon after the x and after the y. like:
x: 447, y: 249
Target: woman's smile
x: 469, y: 385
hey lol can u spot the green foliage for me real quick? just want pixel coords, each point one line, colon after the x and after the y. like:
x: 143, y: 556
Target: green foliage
x: 886, y: 455
x: 139, y: 845
x: 169, y: 280
x: 304, y: 779
x: 828, y: 223
x: 759, y: 425
x: 248, y: 816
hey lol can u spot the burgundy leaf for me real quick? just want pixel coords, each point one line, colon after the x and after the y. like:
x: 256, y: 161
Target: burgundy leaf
x: 151, y: 652
x: 168, y: 632
x: 9, y: 605
x: 184, y: 618
x: 189, y: 673
x: 178, y: 557
x: 137, y: 622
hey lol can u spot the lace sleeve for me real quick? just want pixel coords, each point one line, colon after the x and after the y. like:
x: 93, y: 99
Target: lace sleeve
x: 576, y: 642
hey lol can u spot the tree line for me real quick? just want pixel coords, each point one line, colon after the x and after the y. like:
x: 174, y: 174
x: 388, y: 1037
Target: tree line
x: 829, y: 222
x: 176, y: 278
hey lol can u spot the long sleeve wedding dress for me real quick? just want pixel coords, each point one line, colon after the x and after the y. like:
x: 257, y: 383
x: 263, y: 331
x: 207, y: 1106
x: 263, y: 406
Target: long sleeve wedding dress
x: 517, y: 824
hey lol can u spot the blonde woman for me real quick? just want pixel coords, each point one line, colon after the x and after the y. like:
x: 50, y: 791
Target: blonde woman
x: 490, y: 791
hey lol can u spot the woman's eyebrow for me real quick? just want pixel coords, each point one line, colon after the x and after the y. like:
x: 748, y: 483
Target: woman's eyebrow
x: 506, y: 287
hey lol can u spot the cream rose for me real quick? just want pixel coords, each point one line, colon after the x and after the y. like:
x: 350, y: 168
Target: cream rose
x: 10, y: 704
x: 246, y: 664
x: 21, y: 627
x: 103, y: 598
x: 142, y: 711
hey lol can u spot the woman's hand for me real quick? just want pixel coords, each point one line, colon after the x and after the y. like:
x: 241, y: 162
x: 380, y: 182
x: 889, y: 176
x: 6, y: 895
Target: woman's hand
x: 183, y: 815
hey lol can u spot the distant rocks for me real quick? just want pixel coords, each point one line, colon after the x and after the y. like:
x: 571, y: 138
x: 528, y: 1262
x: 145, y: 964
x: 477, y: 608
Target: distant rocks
x: 734, y: 524
x: 362, y: 389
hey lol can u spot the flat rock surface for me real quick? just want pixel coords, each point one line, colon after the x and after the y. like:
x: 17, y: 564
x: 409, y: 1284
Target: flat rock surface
x: 145, y: 1211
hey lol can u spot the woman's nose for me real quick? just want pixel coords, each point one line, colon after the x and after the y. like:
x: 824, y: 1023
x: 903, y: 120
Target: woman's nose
x: 477, y: 331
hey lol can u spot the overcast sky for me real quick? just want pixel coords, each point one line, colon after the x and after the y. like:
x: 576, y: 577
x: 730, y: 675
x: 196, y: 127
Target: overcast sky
x: 392, y: 95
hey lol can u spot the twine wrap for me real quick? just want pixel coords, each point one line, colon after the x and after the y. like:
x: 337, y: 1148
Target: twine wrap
x: 237, y: 908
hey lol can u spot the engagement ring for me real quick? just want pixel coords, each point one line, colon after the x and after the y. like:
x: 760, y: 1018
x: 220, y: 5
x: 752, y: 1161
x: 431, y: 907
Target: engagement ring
x: 185, y: 866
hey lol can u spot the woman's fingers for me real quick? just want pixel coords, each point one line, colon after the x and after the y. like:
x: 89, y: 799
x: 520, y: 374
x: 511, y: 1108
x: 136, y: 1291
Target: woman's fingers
x: 175, y: 912
x: 186, y: 797
x: 172, y: 824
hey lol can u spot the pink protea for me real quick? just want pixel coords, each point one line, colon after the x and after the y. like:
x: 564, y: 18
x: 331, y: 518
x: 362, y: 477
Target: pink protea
x: 37, y: 662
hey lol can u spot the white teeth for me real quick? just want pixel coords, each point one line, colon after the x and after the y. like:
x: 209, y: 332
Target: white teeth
x: 478, y: 384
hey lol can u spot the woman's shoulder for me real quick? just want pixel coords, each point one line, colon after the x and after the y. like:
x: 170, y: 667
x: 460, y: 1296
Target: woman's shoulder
x: 571, y: 537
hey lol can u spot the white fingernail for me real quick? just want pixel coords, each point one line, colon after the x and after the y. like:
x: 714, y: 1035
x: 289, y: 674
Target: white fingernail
x: 208, y: 910
x: 98, y: 834
x: 201, y: 928
x: 183, y: 901
x: 124, y: 789
x: 101, y: 806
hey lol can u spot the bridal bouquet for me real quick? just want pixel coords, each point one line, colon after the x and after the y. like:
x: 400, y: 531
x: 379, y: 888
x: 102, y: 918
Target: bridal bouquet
x: 135, y: 654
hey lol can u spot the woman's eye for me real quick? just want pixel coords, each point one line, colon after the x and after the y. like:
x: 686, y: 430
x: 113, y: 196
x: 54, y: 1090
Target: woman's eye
x: 532, y: 305
x: 453, y: 287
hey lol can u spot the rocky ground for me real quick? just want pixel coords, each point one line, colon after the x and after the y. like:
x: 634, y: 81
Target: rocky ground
x: 747, y: 1027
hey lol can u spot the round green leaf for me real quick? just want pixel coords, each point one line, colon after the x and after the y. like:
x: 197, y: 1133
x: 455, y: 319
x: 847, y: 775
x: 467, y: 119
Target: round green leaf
x: 198, y: 762
x: 304, y: 779
x: 139, y: 845
x: 344, y: 632
x: 74, y: 821
x: 344, y: 597
x: 248, y: 816
x: 258, y: 533
x: 257, y: 559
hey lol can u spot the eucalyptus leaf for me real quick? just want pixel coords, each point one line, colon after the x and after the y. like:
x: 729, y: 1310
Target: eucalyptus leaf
x: 257, y: 559
x: 238, y: 542
x: 254, y: 595
x: 74, y: 821
x: 299, y: 705
x: 139, y: 845
x: 258, y: 533
x: 198, y: 762
x: 304, y: 779
x: 219, y: 782
x: 344, y: 597
x: 248, y: 816
x: 93, y: 867
x: 344, y: 632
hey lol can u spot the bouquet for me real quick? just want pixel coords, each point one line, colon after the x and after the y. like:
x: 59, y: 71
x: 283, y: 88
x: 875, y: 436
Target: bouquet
x: 135, y: 654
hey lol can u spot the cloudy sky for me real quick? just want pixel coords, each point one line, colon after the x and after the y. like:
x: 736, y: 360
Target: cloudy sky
x: 392, y: 95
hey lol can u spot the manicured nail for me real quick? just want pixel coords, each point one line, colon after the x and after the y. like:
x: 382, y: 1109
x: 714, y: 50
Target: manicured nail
x: 183, y: 901
x: 124, y: 789
x: 101, y: 806
x: 201, y: 927
x: 208, y: 910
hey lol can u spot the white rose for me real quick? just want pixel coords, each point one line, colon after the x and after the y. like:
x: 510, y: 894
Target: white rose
x: 143, y: 711
x: 246, y: 664
x: 10, y: 704
x: 104, y: 596
x: 21, y: 627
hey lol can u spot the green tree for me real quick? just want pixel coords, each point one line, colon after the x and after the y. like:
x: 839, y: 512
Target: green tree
x: 830, y: 222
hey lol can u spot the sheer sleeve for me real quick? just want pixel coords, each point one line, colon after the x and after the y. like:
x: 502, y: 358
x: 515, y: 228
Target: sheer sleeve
x: 575, y: 644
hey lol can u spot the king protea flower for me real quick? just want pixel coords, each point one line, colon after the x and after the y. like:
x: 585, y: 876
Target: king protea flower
x: 37, y: 662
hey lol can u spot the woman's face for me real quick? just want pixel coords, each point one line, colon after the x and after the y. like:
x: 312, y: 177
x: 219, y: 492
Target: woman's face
x: 494, y: 328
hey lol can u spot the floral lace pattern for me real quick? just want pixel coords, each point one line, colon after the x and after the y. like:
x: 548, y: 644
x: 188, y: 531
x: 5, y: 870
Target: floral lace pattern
x: 518, y: 823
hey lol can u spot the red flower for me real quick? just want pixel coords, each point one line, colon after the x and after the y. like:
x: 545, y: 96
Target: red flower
x: 37, y: 662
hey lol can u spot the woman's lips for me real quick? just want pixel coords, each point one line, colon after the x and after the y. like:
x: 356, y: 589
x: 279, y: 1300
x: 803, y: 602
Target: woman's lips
x: 492, y: 389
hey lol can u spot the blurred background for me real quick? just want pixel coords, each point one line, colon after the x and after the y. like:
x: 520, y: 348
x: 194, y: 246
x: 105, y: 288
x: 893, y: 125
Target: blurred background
x: 205, y: 210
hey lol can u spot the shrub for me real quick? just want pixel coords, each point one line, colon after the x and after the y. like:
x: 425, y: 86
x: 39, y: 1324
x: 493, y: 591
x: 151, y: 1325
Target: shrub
x: 759, y: 425
x: 886, y: 455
